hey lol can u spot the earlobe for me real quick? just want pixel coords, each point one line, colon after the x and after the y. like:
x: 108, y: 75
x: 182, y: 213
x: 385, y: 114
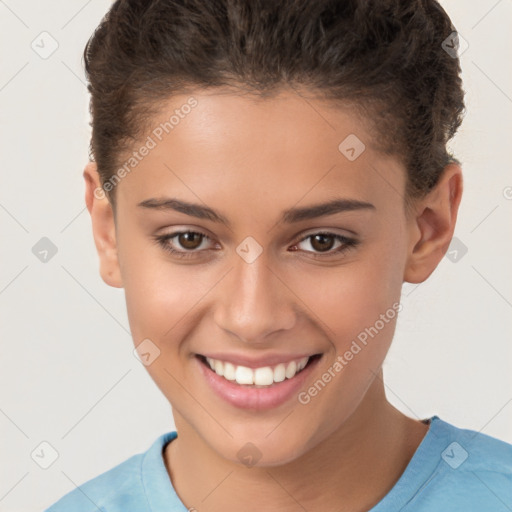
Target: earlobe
x: 103, y: 226
x: 431, y: 229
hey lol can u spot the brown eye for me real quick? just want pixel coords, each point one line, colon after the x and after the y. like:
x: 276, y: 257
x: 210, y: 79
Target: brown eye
x: 189, y: 240
x: 327, y: 244
x: 322, y: 242
x: 183, y: 244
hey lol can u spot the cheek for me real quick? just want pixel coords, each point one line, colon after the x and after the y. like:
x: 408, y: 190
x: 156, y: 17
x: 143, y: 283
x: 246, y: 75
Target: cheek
x: 161, y: 296
x: 158, y: 293
x: 356, y: 306
x: 162, y: 301
x: 347, y: 299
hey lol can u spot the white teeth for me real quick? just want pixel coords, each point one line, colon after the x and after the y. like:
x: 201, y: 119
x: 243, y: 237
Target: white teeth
x: 291, y: 369
x: 219, y: 368
x: 303, y: 362
x: 243, y: 375
x: 279, y: 373
x: 229, y: 371
x: 264, y: 376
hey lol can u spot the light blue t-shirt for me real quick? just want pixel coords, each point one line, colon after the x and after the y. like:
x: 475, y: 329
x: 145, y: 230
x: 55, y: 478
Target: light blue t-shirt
x: 452, y: 470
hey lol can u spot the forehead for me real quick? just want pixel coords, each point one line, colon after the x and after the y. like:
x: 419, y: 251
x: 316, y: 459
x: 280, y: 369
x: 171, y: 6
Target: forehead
x: 276, y: 150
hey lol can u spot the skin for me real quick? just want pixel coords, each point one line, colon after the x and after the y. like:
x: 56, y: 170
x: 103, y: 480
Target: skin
x: 250, y: 159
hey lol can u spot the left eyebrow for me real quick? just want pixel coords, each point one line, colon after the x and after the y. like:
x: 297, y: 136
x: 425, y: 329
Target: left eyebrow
x: 321, y: 210
x: 289, y: 216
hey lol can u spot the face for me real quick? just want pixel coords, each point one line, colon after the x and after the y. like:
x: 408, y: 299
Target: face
x: 257, y: 277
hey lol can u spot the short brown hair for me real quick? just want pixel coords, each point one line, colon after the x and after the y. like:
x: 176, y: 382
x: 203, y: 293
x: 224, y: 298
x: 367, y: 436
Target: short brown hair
x: 384, y: 56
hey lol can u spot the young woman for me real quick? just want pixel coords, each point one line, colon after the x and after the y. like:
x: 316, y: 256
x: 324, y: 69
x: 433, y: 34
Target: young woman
x: 264, y: 177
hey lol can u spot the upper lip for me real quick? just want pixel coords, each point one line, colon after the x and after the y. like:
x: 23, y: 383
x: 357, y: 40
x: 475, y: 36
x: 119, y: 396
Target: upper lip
x: 256, y: 362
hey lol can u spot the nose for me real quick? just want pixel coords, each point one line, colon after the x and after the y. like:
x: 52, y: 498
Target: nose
x: 254, y: 302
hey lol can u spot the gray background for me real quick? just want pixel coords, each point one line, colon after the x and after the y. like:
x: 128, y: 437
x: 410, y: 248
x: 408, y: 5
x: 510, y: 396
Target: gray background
x: 68, y: 373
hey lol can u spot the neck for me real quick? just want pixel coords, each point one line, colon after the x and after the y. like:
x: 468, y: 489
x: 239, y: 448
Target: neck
x: 351, y: 469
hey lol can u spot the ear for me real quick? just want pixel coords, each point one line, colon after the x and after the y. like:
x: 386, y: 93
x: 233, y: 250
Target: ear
x: 103, y: 226
x: 431, y: 225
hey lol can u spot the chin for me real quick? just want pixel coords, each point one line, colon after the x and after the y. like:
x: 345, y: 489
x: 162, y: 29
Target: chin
x: 262, y: 450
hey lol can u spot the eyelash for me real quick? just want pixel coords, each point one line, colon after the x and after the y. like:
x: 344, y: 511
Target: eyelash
x: 348, y: 243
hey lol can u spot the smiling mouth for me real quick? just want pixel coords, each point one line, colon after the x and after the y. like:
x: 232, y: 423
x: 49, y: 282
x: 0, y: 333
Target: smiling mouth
x: 263, y: 377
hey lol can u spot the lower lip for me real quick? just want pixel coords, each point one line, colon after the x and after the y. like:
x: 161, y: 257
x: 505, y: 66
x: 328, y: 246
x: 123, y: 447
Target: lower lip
x: 245, y: 397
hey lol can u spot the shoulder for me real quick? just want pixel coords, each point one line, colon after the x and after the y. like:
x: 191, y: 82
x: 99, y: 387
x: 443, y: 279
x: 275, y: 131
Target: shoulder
x: 474, y: 470
x: 121, y: 488
x: 472, y: 451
